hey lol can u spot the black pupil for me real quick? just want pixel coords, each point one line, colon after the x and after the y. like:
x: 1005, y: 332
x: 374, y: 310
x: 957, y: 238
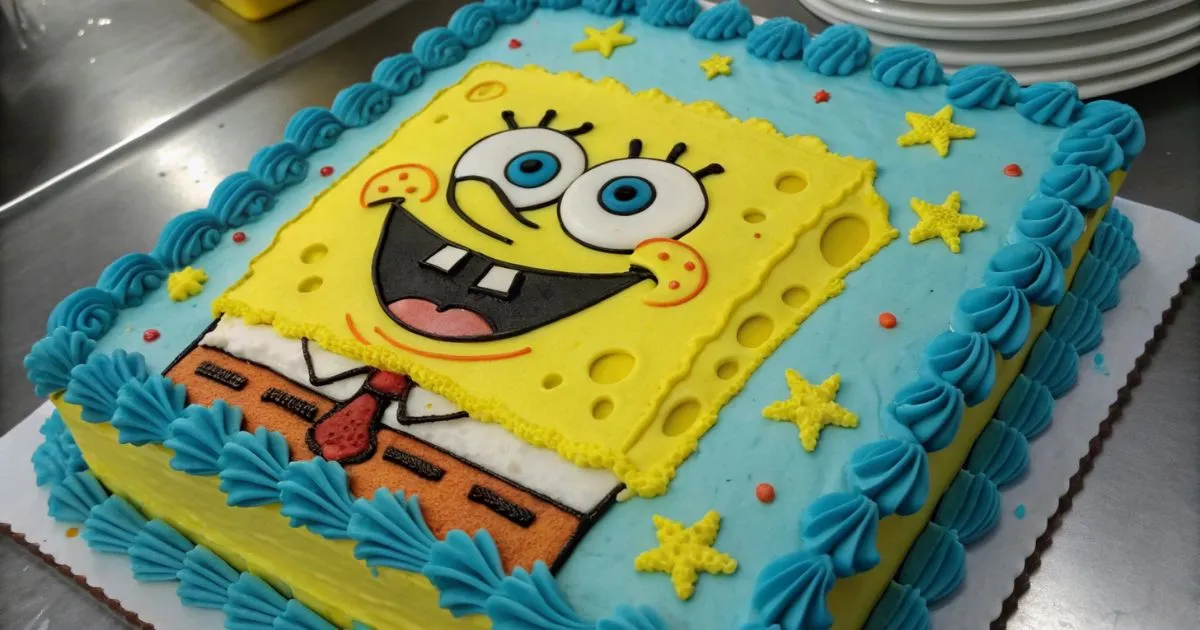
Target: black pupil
x: 532, y: 165
x: 624, y: 193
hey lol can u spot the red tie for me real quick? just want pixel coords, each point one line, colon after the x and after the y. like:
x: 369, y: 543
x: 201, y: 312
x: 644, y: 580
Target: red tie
x: 347, y: 433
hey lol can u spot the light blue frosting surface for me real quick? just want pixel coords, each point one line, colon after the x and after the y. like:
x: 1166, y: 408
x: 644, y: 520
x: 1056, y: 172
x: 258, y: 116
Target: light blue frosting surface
x: 867, y: 120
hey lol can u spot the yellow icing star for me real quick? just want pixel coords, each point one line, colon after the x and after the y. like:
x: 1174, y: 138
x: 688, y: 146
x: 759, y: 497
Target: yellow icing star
x: 185, y: 283
x: 943, y: 221
x: 937, y: 130
x: 684, y: 552
x: 605, y: 41
x: 811, y: 408
x: 716, y: 66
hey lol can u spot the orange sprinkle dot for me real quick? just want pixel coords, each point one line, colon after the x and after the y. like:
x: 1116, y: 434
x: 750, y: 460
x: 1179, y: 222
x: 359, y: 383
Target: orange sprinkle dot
x: 887, y: 320
x: 664, y: 256
x: 403, y: 175
x: 410, y: 190
x: 674, y: 284
x: 1013, y: 170
x: 765, y: 492
x: 821, y: 96
x: 72, y: 532
x: 689, y: 265
x: 383, y: 189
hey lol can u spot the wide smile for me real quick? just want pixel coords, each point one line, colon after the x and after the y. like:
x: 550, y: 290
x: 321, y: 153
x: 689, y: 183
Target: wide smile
x: 441, y: 290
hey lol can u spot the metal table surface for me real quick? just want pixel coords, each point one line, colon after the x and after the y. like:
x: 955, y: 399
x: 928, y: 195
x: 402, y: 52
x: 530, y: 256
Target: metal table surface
x: 200, y: 92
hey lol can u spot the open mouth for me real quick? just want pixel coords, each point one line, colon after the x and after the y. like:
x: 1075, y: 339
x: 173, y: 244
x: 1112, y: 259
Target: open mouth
x: 437, y: 289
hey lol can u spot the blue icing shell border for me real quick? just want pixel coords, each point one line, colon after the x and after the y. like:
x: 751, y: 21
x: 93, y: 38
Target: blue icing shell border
x: 244, y: 197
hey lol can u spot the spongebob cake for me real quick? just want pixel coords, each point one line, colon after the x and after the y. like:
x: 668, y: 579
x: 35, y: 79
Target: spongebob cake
x: 614, y: 315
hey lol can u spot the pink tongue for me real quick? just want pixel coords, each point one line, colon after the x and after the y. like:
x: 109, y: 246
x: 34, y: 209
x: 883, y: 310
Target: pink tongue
x: 423, y: 315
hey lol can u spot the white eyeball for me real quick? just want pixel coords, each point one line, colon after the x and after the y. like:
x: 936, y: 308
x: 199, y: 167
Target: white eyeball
x: 529, y: 167
x: 616, y: 205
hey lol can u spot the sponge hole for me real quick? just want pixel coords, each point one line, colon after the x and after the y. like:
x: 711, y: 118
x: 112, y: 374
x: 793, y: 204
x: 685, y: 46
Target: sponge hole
x: 313, y: 253
x: 309, y: 284
x: 602, y: 408
x: 681, y: 416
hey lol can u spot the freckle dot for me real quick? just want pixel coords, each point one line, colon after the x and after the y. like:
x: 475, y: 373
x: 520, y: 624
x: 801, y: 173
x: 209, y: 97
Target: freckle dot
x: 402, y: 176
x: 673, y: 285
x: 765, y: 492
x: 664, y: 256
x: 887, y: 320
x: 410, y: 190
x: 757, y: 235
x: 689, y: 265
x: 383, y: 189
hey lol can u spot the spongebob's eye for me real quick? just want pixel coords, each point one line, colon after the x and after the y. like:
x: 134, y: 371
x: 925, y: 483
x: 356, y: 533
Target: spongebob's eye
x: 529, y: 167
x: 619, y: 204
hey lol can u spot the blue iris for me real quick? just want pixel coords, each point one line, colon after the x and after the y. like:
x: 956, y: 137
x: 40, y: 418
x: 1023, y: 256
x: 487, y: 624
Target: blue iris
x: 532, y: 169
x: 626, y: 195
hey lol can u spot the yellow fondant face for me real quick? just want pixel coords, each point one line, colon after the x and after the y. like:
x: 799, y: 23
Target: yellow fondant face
x: 596, y: 270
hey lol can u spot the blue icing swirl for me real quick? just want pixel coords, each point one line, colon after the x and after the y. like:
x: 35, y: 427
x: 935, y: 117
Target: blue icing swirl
x: 90, y: 311
x: 970, y: 508
x: 758, y: 625
x: 240, y: 199
x: 112, y: 525
x: 74, y: 497
x: 313, y: 129
x: 838, y: 51
x: 474, y: 24
x: 279, y: 165
x: 1051, y: 222
x: 146, y: 408
x: 528, y: 600
x: 982, y: 86
x: 252, y: 465
x: 57, y: 457
x: 438, y: 48
x: 965, y: 360
x: 186, y: 237
x: 777, y: 39
x: 906, y: 66
x: 50, y: 361
x: 1027, y: 406
x: 1078, y: 323
x: 198, y: 435
x: 390, y: 531
x: 401, y: 74
x: 361, y: 104
x: 935, y: 565
x: 728, y: 20
x: 1097, y: 282
x: 610, y: 8
x: 205, y: 579
x: 664, y: 13
x: 129, y: 278
x: 1118, y: 120
x: 54, y: 425
x: 252, y: 603
x: 627, y: 617
x: 466, y: 570
x: 1111, y: 245
x: 1001, y: 454
x: 511, y: 11
x: 1078, y: 147
x: 1053, y: 363
x: 791, y: 591
x: 1118, y: 220
x: 1000, y: 313
x: 928, y: 409
x: 843, y: 526
x: 892, y: 473
x: 316, y: 494
x: 900, y: 608
x: 297, y: 616
x: 158, y: 553
x: 1032, y: 268
x: 1049, y: 103
x: 95, y: 384
x: 1085, y: 187
x: 560, y: 5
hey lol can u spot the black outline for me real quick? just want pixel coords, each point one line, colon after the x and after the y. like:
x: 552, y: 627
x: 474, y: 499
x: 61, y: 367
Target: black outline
x: 222, y: 376
x: 490, y: 499
x: 677, y: 152
x: 710, y: 169
x: 414, y: 464
x: 292, y: 404
x: 547, y: 118
x: 635, y: 148
x: 318, y: 381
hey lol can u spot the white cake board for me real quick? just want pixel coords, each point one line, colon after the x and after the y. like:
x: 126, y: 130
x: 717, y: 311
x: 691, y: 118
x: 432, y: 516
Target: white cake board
x: 1169, y: 245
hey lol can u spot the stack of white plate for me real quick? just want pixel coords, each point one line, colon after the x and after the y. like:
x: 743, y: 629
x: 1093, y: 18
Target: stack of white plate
x: 1103, y: 46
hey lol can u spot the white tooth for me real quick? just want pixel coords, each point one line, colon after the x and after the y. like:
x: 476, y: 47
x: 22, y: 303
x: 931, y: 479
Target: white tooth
x: 446, y: 258
x: 498, y: 280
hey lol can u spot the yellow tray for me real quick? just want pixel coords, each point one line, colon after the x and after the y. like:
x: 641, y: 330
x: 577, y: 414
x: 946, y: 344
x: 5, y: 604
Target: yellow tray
x: 257, y: 9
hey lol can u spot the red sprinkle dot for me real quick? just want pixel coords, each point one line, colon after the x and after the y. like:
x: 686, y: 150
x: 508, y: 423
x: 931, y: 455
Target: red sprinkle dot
x: 410, y: 190
x: 664, y: 256
x: 239, y: 237
x: 151, y: 335
x: 382, y: 189
x: 689, y: 265
x: 887, y: 320
x: 402, y: 176
x: 821, y: 97
x: 757, y: 235
x: 1012, y: 170
x: 672, y: 285
x: 514, y: 43
x: 765, y: 492
x: 326, y: 171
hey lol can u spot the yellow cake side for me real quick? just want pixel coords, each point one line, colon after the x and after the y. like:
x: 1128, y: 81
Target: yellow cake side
x: 323, y: 574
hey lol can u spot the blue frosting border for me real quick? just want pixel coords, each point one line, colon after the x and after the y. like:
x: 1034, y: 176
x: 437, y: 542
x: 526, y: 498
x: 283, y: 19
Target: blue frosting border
x: 885, y: 477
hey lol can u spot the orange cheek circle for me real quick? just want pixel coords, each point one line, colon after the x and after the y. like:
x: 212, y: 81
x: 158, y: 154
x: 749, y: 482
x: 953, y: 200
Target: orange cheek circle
x: 678, y: 267
x: 418, y: 182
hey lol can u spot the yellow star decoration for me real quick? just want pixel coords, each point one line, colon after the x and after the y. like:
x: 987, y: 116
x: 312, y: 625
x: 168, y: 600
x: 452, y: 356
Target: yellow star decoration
x: 185, y: 283
x: 605, y: 41
x: 936, y: 130
x: 683, y: 552
x: 942, y: 221
x: 716, y: 66
x: 811, y: 408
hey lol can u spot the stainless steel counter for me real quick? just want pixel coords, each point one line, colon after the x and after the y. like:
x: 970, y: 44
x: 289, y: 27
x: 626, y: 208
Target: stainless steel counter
x: 1127, y: 556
